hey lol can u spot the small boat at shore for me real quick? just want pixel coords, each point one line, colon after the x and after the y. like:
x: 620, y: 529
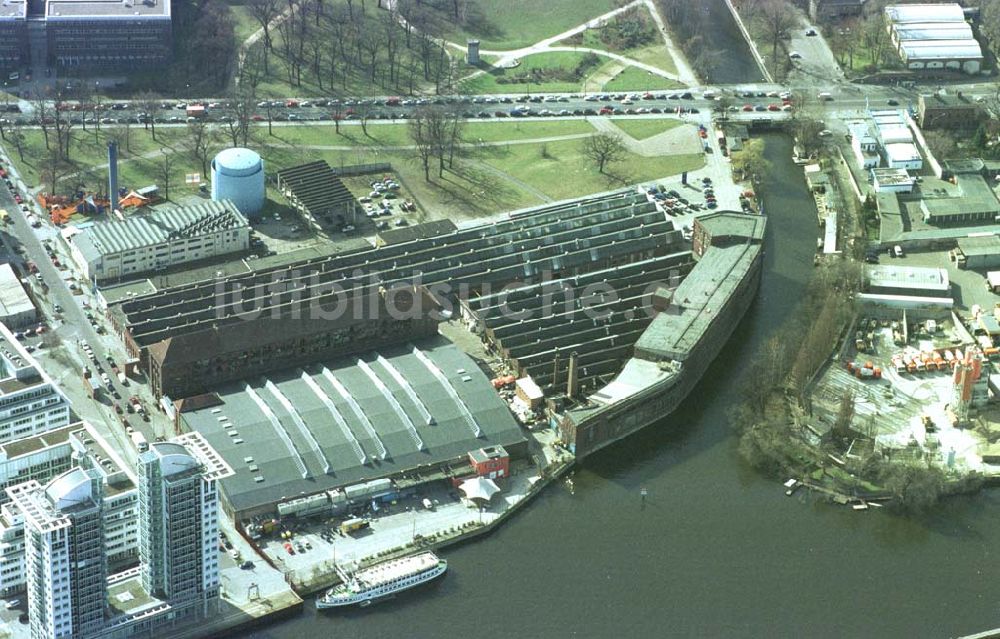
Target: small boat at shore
x: 383, y: 580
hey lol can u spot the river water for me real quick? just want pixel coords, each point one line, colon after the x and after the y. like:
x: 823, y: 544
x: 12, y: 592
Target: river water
x: 717, y: 551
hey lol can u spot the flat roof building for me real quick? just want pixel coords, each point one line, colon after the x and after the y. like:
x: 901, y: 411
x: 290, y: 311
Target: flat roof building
x: 945, y: 111
x: 903, y: 155
x: 968, y: 200
x: 97, y: 34
x: 30, y: 402
x: 907, y: 280
x: 892, y: 180
x: 979, y: 252
x: 16, y: 308
x: 13, y: 34
x: 116, y: 249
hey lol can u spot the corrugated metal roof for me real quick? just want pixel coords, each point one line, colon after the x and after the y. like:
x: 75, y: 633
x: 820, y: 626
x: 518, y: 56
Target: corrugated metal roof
x: 158, y: 227
x: 941, y: 50
x: 923, y: 13
x: 934, y: 31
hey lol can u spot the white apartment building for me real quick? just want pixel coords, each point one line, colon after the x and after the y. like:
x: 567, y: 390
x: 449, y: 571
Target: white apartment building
x: 44, y: 457
x: 119, y: 249
x: 179, y: 522
x: 64, y: 547
x: 30, y: 402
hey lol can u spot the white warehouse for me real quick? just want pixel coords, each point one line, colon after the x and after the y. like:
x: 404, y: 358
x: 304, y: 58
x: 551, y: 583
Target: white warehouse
x: 934, y: 37
x: 140, y: 243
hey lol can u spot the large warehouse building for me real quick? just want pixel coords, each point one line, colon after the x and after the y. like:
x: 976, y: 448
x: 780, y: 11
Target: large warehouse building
x: 393, y: 412
x: 933, y: 37
x: 567, y: 245
x: 118, y: 249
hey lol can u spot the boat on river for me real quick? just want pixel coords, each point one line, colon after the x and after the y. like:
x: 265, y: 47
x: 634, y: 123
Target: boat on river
x: 383, y: 580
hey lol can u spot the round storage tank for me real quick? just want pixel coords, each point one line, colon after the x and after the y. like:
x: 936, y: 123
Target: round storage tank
x: 238, y: 175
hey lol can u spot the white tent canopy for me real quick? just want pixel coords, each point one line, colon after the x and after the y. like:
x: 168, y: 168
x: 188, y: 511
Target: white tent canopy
x: 479, y: 488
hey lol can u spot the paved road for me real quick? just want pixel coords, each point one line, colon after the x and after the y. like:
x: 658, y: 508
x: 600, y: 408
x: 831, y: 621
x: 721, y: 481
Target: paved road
x: 73, y: 327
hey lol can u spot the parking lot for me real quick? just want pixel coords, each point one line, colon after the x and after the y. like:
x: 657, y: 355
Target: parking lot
x: 386, y: 202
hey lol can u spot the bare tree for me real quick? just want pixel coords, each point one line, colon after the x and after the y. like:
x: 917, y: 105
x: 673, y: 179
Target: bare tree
x: 16, y: 137
x: 265, y: 11
x: 199, y: 141
x: 421, y: 127
x: 43, y: 115
x: 242, y: 104
x: 776, y: 19
x: 604, y: 149
x: 149, y: 104
x: 875, y: 38
x: 166, y: 166
x: 845, y: 415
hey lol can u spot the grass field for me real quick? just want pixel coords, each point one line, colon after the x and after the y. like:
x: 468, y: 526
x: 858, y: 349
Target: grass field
x: 636, y: 79
x: 563, y: 171
x: 512, y: 24
x: 244, y: 24
x: 655, y: 55
x: 557, y: 61
x: 398, y: 134
x: 88, y: 150
x: 645, y: 128
x: 488, y: 180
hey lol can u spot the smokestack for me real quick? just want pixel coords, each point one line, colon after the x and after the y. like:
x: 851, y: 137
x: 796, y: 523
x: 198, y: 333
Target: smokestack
x: 113, y: 174
x: 572, y: 376
x: 555, y: 371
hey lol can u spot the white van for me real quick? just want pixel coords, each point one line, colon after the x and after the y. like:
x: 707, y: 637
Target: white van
x: 825, y: 96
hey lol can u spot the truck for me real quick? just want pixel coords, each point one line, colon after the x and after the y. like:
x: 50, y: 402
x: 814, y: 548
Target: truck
x: 196, y: 111
x: 122, y: 378
x: 354, y: 524
x: 140, y: 441
x: 91, y: 384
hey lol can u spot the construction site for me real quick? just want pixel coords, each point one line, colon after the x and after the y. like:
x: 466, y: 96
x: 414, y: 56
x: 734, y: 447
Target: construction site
x: 924, y: 384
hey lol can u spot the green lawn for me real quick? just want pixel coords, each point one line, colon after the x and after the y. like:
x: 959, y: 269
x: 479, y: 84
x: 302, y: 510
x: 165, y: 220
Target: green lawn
x: 88, y: 150
x: 557, y: 168
x: 398, y: 134
x: 244, y: 23
x: 564, y: 172
x: 561, y: 62
x: 640, y: 129
x: 636, y: 79
x: 655, y: 55
x: 512, y: 24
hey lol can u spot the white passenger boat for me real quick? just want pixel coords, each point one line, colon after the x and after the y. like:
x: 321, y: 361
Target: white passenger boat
x: 383, y: 580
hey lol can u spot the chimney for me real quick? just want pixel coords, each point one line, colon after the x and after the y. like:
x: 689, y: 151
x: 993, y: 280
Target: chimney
x: 572, y: 376
x: 113, y: 174
x: 555, y: 371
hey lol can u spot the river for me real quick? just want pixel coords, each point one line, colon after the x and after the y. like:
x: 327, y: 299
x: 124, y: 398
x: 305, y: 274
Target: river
x: 717, y: 551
